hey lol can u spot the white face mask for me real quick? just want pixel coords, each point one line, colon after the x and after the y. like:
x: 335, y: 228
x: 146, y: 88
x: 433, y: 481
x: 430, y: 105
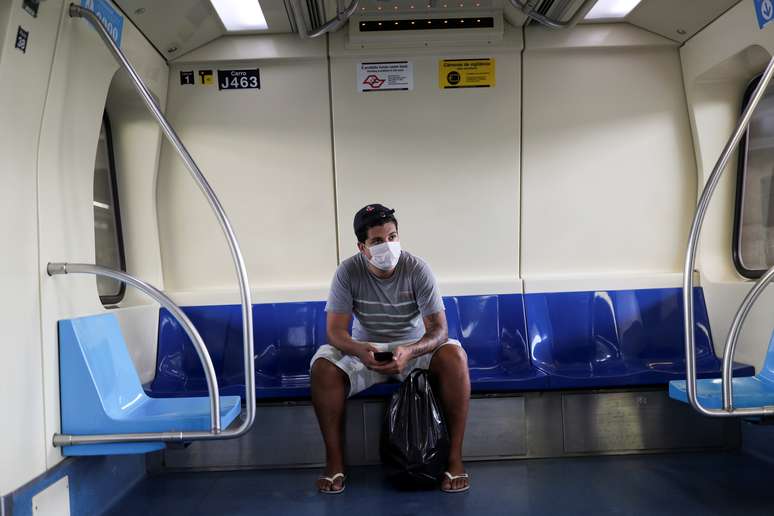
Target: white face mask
x: 385, y: 256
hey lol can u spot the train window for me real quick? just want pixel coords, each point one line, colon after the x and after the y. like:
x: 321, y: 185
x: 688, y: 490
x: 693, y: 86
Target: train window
x: 107, y: 218
x: 753, y: 241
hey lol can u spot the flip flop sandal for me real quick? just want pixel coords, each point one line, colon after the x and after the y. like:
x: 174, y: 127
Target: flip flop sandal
x: 452, y: 478
x: 332, y: 480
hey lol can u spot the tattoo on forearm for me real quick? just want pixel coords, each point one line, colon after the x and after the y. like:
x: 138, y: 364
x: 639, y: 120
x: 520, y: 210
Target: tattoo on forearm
x: 433, y: 338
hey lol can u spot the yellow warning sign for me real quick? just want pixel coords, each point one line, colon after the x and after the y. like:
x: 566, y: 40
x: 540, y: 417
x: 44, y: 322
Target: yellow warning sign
x: 466, y: 73
x: 206, y: 77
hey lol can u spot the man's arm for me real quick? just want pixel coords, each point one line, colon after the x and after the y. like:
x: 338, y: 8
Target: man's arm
x: 337, y: 327
x: 436, y: 333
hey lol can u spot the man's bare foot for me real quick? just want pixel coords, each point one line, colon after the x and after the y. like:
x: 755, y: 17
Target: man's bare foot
x: 455, y: 469
x: 332, y: 479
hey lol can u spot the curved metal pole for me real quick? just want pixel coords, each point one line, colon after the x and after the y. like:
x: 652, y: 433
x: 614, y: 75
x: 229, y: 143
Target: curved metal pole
x: 690, y: 257
x: 735, y: 332
x: 76, y: 11
x: 331, y: 25
x: 529, y: 11
x: 161, y: 298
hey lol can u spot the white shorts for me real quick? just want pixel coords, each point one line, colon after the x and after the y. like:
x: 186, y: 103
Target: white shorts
x: 360, y: 377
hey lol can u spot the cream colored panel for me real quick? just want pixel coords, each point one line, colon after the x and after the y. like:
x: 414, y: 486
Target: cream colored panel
x: 23, y: 82
x: 603, y: 281
x: 139, y: 326
x: 5, y: 13
x: 252, y: 47
x: 446, y: 160
x: 81, y: 75
x: 678, y: 20
x: 267, y: 154
x: 136, y: 149
x: 608, y: 178
x: 718, y: 63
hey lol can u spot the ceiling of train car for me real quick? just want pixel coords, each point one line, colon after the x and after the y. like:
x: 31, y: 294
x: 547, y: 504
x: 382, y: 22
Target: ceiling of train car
x: 176, y: 27
x: 678, y: 20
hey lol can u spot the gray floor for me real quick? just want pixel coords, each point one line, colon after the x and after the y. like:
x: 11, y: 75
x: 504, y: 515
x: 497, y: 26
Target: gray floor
x: 685, y: 484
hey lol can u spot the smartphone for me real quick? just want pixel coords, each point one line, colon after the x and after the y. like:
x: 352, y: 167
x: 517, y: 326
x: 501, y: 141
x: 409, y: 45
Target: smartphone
x: 383, y: 356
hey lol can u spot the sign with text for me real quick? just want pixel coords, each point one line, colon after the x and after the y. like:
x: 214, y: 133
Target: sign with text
x: 238, y: 79
x: 113, y: 22
x: 387, y: 76
x: 466, y: 73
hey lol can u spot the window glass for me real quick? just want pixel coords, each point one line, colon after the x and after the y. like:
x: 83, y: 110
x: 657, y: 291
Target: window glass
x: 107, y: 220
x: 754, y: 217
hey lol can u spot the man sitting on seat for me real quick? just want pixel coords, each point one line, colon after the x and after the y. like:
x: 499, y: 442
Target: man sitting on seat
x: 397, y: 307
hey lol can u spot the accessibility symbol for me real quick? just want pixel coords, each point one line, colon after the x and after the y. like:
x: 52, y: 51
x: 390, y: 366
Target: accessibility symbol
x: 764, y: 11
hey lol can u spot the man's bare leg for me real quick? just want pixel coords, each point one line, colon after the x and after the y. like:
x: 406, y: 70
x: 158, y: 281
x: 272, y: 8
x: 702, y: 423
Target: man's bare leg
x: 329, y: 393
x: 450, y: 368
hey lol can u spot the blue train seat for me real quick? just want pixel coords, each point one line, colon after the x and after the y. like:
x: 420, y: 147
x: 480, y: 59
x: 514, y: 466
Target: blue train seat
x: 754, y: 391
x: 286, y: 337
x: 617, y: 338
x: 569, y: 340
x: 492, y: 331
x: 490, y: 328
x: 101, y: 392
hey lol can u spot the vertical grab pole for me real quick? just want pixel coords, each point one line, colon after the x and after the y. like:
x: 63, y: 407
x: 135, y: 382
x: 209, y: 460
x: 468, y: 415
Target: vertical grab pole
x: 693, y: 242
x: 733, y: 337
x: 77, y: 11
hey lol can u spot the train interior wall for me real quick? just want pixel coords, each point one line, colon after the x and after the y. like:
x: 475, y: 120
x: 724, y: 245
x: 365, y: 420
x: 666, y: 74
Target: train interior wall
x: 578, y: 171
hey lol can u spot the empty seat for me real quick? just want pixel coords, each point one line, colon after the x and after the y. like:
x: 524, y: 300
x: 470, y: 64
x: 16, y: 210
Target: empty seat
x: 101, y: 392
x: 617, y: 338
x: 286, y: 337
x: 492, y: 331
x: 754, y: 391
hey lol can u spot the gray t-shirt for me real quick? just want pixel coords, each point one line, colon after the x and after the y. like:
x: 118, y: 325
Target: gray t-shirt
x: 385, y: 310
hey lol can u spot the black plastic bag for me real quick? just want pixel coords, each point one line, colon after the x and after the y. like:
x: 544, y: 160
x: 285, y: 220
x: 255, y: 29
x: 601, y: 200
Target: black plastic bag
x: 414, y: 443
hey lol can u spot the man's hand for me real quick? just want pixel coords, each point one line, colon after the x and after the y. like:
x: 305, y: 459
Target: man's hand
x: 400, y: 359
x: 366, y: 355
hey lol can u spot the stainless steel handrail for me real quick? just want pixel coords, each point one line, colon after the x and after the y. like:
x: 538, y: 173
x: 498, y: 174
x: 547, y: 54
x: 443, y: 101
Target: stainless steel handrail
x: 735, y: 332
x: 77, y: 11
x: 331, y: 25
x: 529, y: 10
x: 161, y: 298
x: 690, y: 260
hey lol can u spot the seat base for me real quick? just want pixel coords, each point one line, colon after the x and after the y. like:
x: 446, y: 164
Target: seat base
x: 157, y: 415
x: 638, y: 377
x: 749, y: 392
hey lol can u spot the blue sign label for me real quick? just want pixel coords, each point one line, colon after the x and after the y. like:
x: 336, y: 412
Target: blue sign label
x: 113, y: 22
x: 764, y: 10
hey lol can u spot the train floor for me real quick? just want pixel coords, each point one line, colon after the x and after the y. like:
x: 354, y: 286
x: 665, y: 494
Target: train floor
x: 685, y: 483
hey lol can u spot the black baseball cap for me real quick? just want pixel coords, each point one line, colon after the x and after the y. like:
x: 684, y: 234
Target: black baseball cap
x: 371, y: 215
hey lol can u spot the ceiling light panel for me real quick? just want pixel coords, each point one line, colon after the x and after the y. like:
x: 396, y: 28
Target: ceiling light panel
x: 240, y: 15
x: 611, y: 9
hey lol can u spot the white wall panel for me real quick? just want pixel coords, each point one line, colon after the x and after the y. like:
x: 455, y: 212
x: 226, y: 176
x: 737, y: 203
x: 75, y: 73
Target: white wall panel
x: 23, y: 83
x: 81, y: 75
x: 136, y: 149
x: 608, y: 174
x: 446, y: 160
x: 718, y: 63
x: 267, y: 154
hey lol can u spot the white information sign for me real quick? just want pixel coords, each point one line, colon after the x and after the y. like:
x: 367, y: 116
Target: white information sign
x: 386, y: 76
